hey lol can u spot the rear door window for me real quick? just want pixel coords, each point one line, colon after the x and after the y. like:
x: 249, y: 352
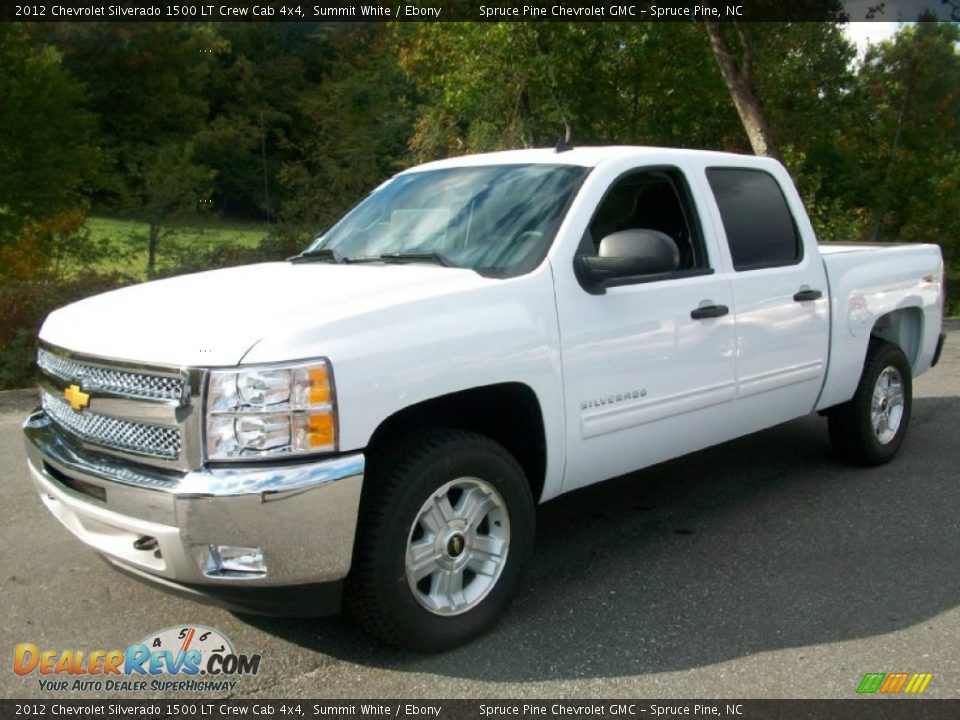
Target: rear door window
x: 760, y: 229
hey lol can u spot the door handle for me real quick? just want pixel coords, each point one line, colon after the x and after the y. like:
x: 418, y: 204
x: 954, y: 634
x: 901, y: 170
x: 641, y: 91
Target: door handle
x: 807, y: 295
x: 709, y: 311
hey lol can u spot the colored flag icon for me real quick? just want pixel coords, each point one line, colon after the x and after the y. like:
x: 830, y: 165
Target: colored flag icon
x: 893, y: 683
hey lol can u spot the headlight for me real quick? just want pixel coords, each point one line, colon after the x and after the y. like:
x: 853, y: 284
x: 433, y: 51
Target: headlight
x: 271, y: 410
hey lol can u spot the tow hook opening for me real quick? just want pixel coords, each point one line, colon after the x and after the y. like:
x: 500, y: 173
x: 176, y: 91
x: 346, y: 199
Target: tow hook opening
x: 145, y: 542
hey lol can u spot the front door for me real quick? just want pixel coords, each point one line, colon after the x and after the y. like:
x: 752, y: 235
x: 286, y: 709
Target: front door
x: 648, y: 366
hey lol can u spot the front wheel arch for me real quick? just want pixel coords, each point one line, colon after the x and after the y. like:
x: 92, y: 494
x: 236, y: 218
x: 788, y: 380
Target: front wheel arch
x: 508, y: 413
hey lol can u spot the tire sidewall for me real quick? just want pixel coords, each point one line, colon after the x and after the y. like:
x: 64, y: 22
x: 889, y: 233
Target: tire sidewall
x: 414, y: 625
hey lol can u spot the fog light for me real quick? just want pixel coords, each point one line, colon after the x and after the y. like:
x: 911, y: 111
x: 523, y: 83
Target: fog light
x: 229, y: 560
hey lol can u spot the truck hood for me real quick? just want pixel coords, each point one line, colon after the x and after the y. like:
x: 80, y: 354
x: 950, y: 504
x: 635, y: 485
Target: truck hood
x: 214, y: 318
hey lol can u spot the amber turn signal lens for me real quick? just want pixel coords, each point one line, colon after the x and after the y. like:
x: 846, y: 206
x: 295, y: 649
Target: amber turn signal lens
x: 320, y: 430
x: 319, y: 392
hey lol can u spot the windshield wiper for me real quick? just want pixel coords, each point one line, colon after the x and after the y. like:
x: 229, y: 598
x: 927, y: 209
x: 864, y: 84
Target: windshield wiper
x: 335, y: 256
x: 402, y: 257
x: 322, y: 255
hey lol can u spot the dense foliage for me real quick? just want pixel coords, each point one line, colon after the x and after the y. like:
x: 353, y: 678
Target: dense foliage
x: 292, y: 123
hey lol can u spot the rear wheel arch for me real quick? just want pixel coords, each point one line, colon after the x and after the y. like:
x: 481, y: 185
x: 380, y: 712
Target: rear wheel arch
x: 903, y: 328
x: 870, y: 428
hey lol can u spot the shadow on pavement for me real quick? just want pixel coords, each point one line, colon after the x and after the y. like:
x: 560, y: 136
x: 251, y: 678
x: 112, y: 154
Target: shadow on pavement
x: 763, y: 543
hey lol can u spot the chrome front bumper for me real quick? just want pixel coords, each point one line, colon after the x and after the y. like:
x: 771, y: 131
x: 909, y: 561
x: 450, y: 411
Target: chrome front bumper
x: 301, y: 516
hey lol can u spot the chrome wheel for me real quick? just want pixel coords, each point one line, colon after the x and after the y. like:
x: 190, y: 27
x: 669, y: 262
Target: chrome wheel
x: 457, y: 546
x: 886, y: 408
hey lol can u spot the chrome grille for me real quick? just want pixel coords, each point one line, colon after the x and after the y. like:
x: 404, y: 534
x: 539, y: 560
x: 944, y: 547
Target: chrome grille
x: 125, y: 435
x: 93, y: 377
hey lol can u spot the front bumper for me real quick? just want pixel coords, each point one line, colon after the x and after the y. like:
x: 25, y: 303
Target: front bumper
x: 301, y: 516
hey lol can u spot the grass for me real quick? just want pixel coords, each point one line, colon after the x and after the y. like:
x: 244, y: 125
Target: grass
x: 128, y: 254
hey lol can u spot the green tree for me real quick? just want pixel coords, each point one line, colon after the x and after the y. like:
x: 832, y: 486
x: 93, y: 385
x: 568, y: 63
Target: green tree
x: 355, y: 124
x: 47, y: 151
x: 256, y: 111
x: 148, y: 86
x: 169, y: 189
x: 736, y: 47
x: 737, y: 73
x: 503, y: 85
x: 910, y: 146
x: 804, y: 75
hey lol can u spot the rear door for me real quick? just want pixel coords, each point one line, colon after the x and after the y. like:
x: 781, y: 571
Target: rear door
x: 780, y: 295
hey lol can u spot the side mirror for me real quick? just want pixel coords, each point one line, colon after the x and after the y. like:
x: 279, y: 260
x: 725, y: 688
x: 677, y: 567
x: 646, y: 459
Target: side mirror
x: 628, y: 253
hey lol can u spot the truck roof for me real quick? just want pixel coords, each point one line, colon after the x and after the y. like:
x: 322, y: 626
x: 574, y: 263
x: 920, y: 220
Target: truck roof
x: 583, y: 156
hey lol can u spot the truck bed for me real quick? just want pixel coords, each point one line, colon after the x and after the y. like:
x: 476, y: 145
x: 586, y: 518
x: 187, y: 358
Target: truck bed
x: 909, y: 286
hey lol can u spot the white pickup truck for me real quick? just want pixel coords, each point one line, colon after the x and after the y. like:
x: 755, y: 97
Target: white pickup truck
x: 374, y: 420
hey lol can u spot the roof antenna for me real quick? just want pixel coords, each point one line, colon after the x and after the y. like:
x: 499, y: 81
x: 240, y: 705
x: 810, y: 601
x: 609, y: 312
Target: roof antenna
x: 562, y: 145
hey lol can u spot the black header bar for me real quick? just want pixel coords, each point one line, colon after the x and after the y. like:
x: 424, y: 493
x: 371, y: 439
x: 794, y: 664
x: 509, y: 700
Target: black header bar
x: 467, y: 10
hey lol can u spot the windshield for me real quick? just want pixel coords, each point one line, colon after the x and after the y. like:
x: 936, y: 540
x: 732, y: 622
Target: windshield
x: 496, y: 219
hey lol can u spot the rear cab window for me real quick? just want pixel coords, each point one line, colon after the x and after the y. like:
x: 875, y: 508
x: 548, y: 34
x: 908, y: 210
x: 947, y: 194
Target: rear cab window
x: 760, y: 229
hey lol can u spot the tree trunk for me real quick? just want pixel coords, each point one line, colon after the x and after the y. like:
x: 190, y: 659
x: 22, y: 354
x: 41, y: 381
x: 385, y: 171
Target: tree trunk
x: 738, y: 81
x: 153, y: 240
x: 882, y: 196
x: 523, y: 112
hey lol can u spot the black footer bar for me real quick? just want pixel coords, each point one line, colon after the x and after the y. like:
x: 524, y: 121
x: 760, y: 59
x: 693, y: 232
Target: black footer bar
x: 872, y: 708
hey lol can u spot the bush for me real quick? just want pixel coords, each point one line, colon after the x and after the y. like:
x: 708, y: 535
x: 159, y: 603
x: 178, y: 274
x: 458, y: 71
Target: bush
x: 184, y: 258
x: 45, y: 267
x: 50, y: 266
x: 25, y: 304
x: 953, y: 293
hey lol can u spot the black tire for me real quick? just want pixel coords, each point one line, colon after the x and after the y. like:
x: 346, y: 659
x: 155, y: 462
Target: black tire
x: 399, y: 484
x: 852, y: 431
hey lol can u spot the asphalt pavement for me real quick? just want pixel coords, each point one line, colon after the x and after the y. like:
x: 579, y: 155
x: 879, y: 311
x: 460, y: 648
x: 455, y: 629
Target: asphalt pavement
x: 762, y: 568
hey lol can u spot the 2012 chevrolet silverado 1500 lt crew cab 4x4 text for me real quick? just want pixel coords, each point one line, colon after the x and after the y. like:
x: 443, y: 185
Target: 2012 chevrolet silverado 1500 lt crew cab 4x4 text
x: 371, y: 423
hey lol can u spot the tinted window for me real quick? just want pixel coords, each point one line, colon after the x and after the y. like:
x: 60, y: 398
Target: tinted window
x: 758, y: 223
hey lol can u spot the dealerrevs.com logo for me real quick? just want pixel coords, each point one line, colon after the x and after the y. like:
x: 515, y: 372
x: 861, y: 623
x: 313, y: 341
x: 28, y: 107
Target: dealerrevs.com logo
x: 185, y: 658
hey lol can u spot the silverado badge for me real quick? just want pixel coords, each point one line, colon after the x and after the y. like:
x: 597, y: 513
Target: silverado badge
x: 77, y: 398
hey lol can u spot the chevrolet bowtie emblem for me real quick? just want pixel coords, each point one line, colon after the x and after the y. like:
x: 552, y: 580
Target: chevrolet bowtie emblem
x: 77, y: 398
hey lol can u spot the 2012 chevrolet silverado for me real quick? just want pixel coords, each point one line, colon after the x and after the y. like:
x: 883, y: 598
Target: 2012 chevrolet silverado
x: 370, y: 423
